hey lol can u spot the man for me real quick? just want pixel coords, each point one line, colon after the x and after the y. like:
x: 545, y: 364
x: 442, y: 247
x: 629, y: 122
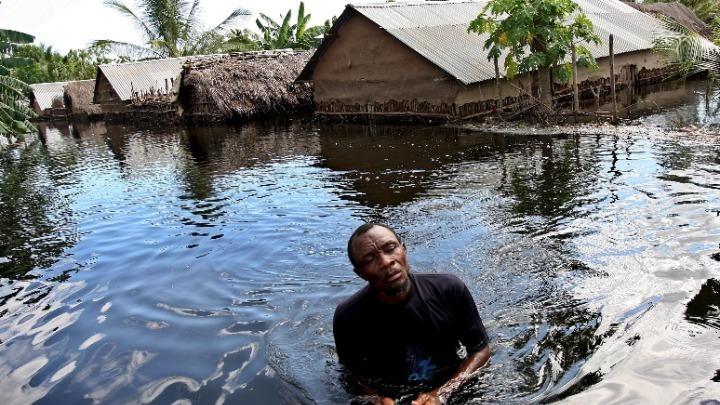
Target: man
x: 400, y: 334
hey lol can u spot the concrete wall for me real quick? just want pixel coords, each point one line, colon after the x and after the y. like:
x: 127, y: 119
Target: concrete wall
x: 365, y: 64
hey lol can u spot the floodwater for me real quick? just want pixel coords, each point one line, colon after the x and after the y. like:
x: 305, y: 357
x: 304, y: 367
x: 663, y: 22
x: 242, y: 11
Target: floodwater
x: 203, y: 265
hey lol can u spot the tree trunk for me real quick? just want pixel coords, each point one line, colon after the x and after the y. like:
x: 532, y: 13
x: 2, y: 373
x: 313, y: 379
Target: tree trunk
x: 541, y: 87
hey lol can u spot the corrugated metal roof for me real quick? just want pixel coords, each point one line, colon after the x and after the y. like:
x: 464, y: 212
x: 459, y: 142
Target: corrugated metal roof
x: 438, y: 32
x: 44, y: 93
x: 142, y: 76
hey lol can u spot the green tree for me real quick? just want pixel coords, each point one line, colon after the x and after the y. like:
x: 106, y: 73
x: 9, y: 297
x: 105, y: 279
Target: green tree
x: 536, y: 36
x: 274, y: 35
x: 14, y: 111
x: 171, y: 28
x: 46, y: 65
x: 242, y: 40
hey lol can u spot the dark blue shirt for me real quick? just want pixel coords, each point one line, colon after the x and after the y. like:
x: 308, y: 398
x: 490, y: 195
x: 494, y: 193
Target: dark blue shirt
x: 414, y: 342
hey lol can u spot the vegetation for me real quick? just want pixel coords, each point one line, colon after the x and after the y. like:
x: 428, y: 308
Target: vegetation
x: 693, y: 53
x: 14, y: 112
x: 706, y: 10
x: 300, y: 35
x: 536, y: 37
x: 46, y: 65
x: 171, y: 28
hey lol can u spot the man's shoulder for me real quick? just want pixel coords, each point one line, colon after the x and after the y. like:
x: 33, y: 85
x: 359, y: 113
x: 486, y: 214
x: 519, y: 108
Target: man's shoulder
x: 441, y: 281
x: 352, y: 306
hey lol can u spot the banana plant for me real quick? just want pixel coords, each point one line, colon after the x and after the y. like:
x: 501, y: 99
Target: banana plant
x: 14, y: 112
x: 299, y: 35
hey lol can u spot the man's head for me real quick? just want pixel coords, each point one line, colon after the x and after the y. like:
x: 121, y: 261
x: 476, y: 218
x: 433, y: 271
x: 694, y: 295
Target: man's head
x: 379, y: 257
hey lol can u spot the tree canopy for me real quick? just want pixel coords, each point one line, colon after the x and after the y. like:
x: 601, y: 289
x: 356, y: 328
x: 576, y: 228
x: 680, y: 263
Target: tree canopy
x: 46, y: 65
x: 170, y: 28
x: 535, y: 34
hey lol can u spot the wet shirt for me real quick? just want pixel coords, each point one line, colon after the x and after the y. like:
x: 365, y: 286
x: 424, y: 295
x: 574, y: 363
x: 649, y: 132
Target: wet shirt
x: 415, y: 342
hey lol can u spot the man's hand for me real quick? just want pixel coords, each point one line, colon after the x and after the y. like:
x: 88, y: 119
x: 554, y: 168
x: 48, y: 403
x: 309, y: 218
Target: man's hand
x: 385, y: 401
x: 428, y: 398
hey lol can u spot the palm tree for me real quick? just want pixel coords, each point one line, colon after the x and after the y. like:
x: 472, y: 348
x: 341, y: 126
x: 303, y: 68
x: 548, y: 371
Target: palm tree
x: 14, y: 111
x: 242, y: 40
x: 276, y: 35
x: 692, y: 52
x: 171, y: 28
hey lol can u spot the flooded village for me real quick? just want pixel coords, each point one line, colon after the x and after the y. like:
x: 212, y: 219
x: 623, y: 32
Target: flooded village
x: 174, y: 225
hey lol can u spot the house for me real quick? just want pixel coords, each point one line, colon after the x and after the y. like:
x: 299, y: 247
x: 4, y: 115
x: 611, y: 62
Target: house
x: 78, y: 97
x: 417, y: 59
x: 118, y: 85
x: 46, y: 99
x: 678, y: 12
x: 243, y: 86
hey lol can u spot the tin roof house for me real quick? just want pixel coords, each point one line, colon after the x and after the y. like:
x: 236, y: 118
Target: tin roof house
x: 417, y: 59
x: 46, y: 99
x: 117, y: 85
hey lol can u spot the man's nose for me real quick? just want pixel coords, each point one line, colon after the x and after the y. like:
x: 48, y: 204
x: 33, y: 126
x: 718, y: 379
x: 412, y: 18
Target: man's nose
x: 385, y: 259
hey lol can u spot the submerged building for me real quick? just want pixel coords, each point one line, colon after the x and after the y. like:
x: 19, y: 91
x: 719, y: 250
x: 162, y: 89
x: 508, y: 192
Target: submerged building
x: 78, y: 97
x: 46, y: 99
x: 118, y: 85
x: 243, y: 86
x: 418, y: 59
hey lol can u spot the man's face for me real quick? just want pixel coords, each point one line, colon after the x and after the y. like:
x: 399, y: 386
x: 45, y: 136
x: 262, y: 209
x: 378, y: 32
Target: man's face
x: 382, y: 261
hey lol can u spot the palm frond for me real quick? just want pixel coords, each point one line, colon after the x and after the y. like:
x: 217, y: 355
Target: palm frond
x: 133, y: 51
x: 127, y: 12
x: 237, y: 13
x: 692, y: 51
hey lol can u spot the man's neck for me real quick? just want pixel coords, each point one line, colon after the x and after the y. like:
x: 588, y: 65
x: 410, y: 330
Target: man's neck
x: 394, y: 299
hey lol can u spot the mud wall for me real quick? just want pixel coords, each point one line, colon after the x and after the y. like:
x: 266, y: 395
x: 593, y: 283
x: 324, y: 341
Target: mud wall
x: 632, y: 68
x: 107, y: 98
x: 365, y: 69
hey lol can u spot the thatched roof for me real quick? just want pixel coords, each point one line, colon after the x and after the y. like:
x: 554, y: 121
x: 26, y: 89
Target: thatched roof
x: 677, y: 11
x: 78, y: 98
x: 243, y: 86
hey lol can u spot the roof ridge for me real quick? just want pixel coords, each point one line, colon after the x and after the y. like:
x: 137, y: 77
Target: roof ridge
x: 412, y: 3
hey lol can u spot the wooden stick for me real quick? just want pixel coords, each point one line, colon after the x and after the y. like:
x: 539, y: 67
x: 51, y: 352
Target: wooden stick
x: 576, y: 95
x: 612, y: 77
x: 497, y: 80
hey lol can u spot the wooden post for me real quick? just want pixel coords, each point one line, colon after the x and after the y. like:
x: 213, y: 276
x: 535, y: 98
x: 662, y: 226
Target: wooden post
x: 576, y: 96
x: 497, y: 80
x: 612, y: 78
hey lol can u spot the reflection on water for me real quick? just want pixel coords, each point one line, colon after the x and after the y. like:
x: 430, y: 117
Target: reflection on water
x: 204, y: 265
x: 704, y: 308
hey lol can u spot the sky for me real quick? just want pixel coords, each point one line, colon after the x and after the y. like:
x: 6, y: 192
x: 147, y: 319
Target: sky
x: 73, y: 24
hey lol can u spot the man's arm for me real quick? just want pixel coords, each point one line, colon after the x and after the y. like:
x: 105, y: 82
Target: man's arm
x: 472, y: 335
x: 366, y: 390
x: 466, y: 370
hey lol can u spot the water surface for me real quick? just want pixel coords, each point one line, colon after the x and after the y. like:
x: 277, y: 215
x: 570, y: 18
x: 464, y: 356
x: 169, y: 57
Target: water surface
x: 204, y: 265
